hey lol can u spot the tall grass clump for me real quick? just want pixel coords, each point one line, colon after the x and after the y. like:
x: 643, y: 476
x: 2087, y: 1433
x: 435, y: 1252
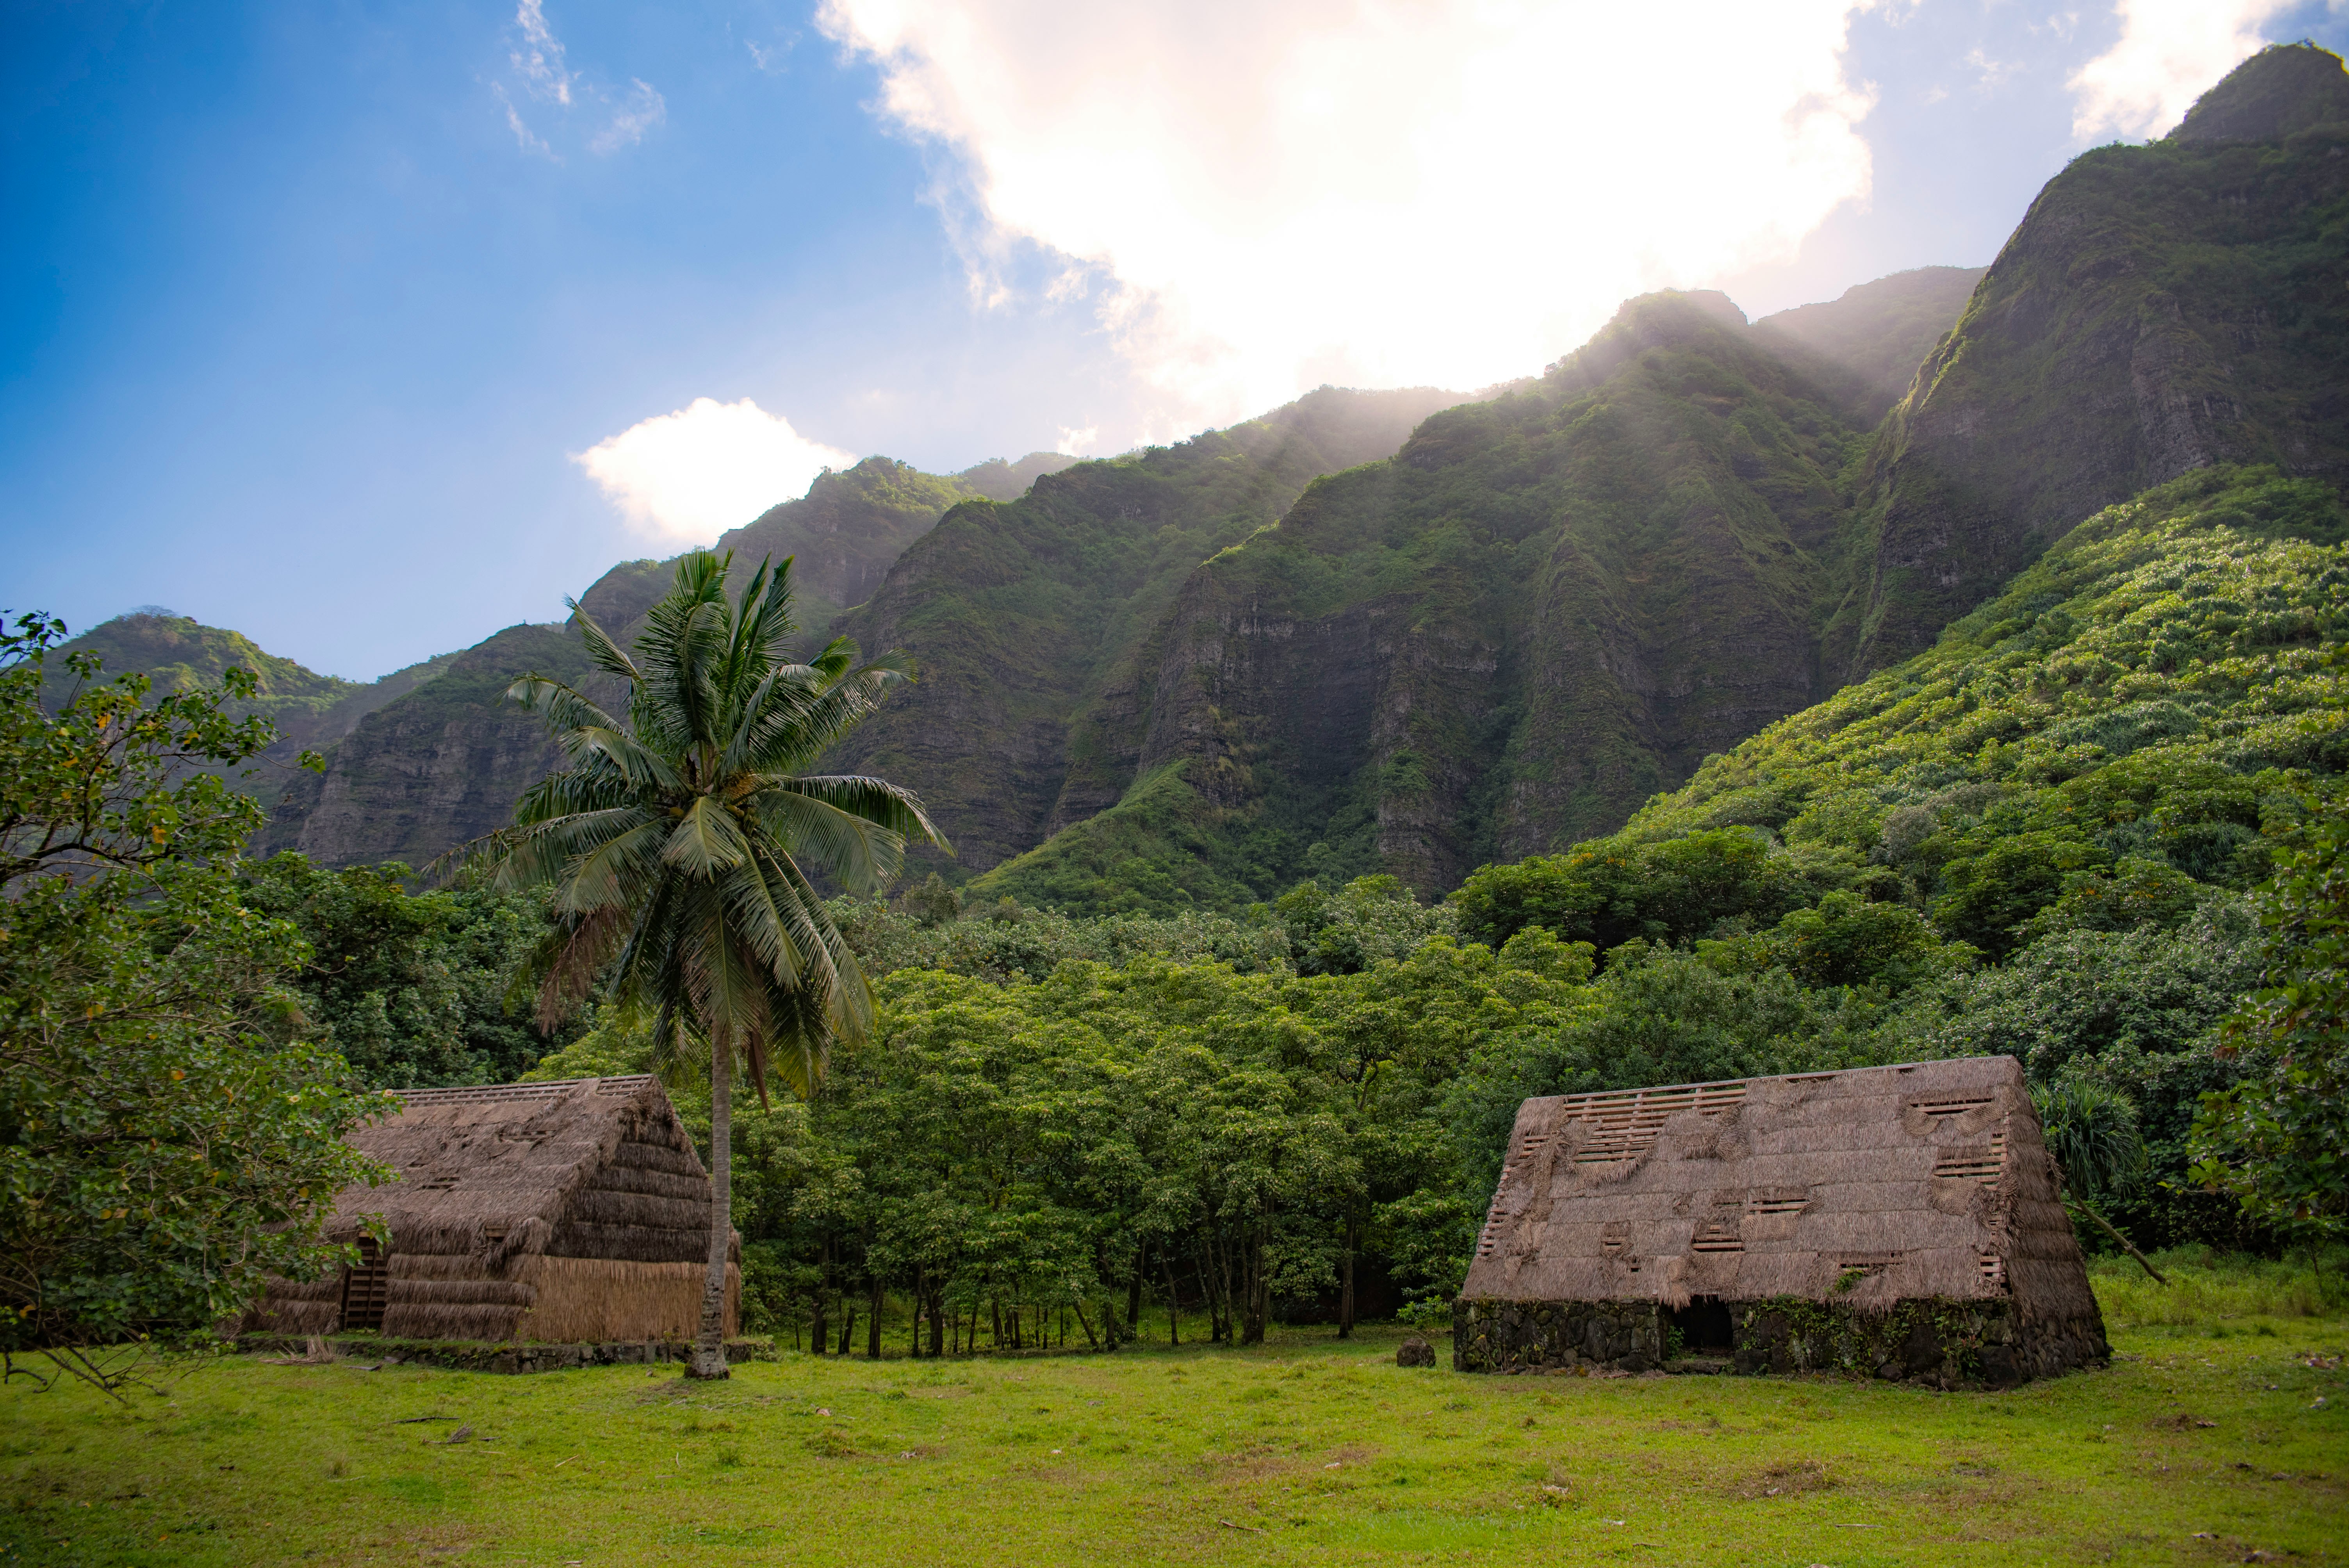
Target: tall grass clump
x: 2207, y: 1286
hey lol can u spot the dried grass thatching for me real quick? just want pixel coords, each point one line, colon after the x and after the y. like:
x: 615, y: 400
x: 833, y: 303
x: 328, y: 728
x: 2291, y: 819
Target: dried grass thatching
x: 1866, y: 1188
x: 569, y: 1210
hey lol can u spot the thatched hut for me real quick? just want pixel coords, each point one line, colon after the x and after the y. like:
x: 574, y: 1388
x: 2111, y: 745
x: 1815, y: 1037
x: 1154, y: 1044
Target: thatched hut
x: 1902, y: 1221
x: 575, y: 1210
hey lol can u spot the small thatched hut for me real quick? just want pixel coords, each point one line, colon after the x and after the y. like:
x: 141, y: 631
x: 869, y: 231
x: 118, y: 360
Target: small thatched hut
x: 1901, y: 1221
x: 555, y: 1211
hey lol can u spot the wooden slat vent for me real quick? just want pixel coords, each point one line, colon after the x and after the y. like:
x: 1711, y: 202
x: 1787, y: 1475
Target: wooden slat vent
x: 367, y: 1288
x: 1778, y: 1200
x: 1975, y: 1162
x: 1623, y: 1125
x: 1721, y: 1236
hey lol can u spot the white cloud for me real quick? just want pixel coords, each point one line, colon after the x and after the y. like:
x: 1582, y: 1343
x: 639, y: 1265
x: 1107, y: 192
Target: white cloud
x: 1989, y: 74
x: 771, y: 57
x: 523, y: 134
x: 1074, y: 443
x: 538, y: 60
x: 1444, y: 191
x: 688, y: 477
x: 644, y: 108
x: 541, y: 71
x: 2169, y: 53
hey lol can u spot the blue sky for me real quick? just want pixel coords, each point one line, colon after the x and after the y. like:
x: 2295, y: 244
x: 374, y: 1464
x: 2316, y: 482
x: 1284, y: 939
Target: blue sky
x: 342, y: 324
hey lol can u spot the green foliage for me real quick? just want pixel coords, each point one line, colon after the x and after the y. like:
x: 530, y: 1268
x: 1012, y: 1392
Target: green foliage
x: 1372, y: 918
x: 161, y: 1154
x: 2033, y: 840
x: 2091, y: 1132
x: 1665, y: 889
x: 2279, y: 1141
x: 1843, y: 940
x: 411, y: 989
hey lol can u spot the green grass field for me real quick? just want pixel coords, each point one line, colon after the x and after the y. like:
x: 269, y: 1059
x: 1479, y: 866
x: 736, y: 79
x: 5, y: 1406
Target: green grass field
x: 2207, y: 1441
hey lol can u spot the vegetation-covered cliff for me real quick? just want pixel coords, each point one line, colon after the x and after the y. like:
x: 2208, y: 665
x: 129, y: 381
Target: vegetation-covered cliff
x: 178, y: 652
x: 445, y: 759
x: 850, y: 526
x: 2161, y: 308
x: 1547, y: 608
x: 1028, y: 621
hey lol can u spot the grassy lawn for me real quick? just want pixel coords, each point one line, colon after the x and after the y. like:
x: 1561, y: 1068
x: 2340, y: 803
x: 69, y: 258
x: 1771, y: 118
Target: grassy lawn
x: 2209, y: 1441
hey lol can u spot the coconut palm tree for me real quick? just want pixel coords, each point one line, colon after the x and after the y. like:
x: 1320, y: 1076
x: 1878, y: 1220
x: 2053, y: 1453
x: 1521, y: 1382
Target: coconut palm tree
x: 679, y: 844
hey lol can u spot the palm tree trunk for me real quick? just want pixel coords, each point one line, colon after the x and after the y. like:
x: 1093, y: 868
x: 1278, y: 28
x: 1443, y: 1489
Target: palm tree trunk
x: 709, y: 1343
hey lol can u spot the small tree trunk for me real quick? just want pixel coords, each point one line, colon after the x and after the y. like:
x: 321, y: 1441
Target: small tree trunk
x: 2106, y: 1226
x: 938, y: 1323
x: 1253, y: 1332
x: 709, y: 1358
x: 1174, y: 1302
x: 1346, y: 1278
x: 873, y: 1327
x: 847, y: 1326
x: 1134, y: 1298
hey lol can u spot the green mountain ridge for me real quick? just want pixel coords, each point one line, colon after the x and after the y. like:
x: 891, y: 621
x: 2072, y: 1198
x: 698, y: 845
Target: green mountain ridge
x: 1396, y: 632
x: 1026, y: 618
x: 2160, y: 309
x: 443, y: 763
x: 178, y: 652
x: 1546, y: 609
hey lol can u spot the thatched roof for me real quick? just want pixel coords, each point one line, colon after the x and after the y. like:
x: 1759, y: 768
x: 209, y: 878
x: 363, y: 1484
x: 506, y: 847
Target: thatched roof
x: 1864, y: 1187
x: 583, y: 1168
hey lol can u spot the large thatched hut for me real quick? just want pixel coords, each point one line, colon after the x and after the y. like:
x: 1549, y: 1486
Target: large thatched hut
x: 1902, y: 1221
x: 575, y: 1210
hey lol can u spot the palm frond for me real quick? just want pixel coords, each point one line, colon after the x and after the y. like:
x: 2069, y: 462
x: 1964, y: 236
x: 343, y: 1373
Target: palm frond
x: 610, y: 867
x: 858, y: 853
x: 564, y: 707
x: 602, y: 651
x: 706, y: 840
x: 763, y: 623
x: 589, y: 943
x: 890, y: 805
x: 815, y: 725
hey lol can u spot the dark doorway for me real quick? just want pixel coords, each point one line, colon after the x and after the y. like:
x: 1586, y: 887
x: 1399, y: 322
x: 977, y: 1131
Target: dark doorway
x: 1704, y: 1326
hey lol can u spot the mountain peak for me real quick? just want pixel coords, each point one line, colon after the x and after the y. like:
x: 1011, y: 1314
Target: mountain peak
x: 2283, y: 89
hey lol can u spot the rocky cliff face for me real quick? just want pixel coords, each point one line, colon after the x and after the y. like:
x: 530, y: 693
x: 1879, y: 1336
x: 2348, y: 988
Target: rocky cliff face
x: 1542, y: 610
x: 851, y: 526
x: 1028, y: 622
x: 2160, y: 309
x: 428, y: 771
x: 1865, y: 346
x: 445, y: 758
x: 178, y: 652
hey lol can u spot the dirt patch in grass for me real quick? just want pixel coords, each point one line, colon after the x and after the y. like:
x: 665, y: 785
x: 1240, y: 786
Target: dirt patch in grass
x: 1789, y: 1478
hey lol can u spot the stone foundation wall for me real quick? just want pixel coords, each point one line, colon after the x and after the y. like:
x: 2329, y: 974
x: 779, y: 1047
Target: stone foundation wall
x: 1947, y: 1344
x: 1556, y: 1336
